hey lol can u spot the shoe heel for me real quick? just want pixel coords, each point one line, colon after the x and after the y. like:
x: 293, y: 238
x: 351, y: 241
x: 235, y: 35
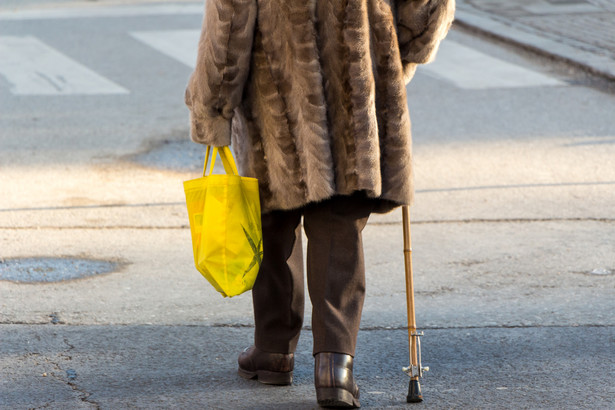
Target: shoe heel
x: 335, y: 397
x: 277, y: 378
x: 246, y: 374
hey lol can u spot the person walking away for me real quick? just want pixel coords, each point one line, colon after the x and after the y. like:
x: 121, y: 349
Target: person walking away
x: 311, y: 93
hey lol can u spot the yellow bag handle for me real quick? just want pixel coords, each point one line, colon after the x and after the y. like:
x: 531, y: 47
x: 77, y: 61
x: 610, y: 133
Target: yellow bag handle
x: 227, y: 160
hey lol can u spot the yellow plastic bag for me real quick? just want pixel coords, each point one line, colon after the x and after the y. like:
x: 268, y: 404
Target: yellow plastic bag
x: 225, y: 223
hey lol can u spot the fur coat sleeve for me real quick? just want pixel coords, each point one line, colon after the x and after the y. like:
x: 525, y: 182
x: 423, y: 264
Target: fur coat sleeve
x: 216, y: 85
x: 421, y: 25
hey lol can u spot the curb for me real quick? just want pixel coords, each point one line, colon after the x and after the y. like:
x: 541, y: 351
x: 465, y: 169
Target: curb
x: 536, y: 42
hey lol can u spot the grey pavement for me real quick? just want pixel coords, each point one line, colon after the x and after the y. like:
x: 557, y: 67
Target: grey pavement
x: 513, y: 236
x: 194, y: 367
x: 581, y: 32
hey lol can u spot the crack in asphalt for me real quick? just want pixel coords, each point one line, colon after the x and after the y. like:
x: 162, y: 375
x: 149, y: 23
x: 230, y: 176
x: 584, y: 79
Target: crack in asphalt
x: 418, y: 191
x: 309, y: 328
x: 94, y: 206
x: 65, y: 376
x: 96, y: 228
x: 59, y: 376
x: 71, y: 374
x: 380, y: 328
x: 499, y: 220
x: 384, y: 223
x: 84, y: 395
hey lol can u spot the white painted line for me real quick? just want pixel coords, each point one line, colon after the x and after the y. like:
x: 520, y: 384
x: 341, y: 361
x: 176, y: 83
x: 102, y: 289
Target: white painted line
x: 34, y: 68
x: 179, y: 44
x: 470, y: 69
x: 103, y: 11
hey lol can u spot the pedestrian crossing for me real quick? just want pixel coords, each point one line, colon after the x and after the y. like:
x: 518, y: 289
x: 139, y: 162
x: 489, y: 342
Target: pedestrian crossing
x: 32, y: 67
x: 471, y: 69
x: 178, y: 44
x: 57, y: 13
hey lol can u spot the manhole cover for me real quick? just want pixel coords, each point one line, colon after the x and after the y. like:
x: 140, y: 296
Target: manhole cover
x: 31, y: 270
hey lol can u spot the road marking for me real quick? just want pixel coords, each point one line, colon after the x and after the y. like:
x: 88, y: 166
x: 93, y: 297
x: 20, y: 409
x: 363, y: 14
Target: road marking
x: 463, y: 66
x: 102, y: 11
x: 470, y: 69
x: 34, y: 68
x: 179, y: 44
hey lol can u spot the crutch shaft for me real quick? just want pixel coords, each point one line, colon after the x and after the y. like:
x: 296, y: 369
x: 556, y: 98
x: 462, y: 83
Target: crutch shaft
x: 409, y: 288
x: 415, y: 370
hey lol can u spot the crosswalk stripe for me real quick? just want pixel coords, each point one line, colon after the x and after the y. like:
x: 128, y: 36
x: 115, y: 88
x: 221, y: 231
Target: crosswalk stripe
x: 463, y: 66
x: 470, y: 69
x: 34, y: 68
x: 102, y: 11
x: 178, y: 44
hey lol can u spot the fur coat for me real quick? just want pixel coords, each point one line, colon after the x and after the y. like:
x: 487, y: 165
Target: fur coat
x: 312, y: 92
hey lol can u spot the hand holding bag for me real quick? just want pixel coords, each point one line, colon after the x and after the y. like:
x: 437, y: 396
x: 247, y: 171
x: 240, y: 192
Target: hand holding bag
x: 225, y: 223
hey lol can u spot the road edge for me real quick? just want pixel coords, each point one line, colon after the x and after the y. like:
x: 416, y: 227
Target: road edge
x: 536, y: 42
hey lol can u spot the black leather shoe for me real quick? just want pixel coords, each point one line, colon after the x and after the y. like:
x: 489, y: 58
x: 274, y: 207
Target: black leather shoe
x: 267, y: 368
x: 335, y: 385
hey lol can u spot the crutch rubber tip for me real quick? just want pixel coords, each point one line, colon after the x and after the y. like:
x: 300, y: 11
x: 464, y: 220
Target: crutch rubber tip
x: 414, y: 392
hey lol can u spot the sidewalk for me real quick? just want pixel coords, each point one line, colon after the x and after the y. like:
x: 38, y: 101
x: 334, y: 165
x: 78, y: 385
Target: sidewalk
x: 581, y: 32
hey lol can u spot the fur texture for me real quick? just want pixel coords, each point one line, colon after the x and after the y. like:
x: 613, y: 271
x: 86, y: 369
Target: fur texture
x: 312, y: 92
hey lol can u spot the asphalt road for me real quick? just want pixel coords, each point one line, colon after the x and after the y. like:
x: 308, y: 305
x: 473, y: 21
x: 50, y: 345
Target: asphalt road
x: 513, y: 235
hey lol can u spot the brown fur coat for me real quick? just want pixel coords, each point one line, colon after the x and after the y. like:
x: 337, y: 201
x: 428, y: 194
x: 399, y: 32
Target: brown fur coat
x: 312, y: 92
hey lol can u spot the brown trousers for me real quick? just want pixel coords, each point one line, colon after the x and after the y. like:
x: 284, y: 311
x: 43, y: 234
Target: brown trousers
x: 336, y: 276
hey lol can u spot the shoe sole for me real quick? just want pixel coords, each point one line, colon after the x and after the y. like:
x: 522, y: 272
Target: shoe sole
x: 267, y: 377
x: 336, y: 397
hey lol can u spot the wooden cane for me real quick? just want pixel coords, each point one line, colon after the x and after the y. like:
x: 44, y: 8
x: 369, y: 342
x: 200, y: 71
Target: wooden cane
x: 415, y: 370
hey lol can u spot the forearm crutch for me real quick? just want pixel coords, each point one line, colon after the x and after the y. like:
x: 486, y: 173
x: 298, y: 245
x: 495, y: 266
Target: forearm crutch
x: 415, y: 370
